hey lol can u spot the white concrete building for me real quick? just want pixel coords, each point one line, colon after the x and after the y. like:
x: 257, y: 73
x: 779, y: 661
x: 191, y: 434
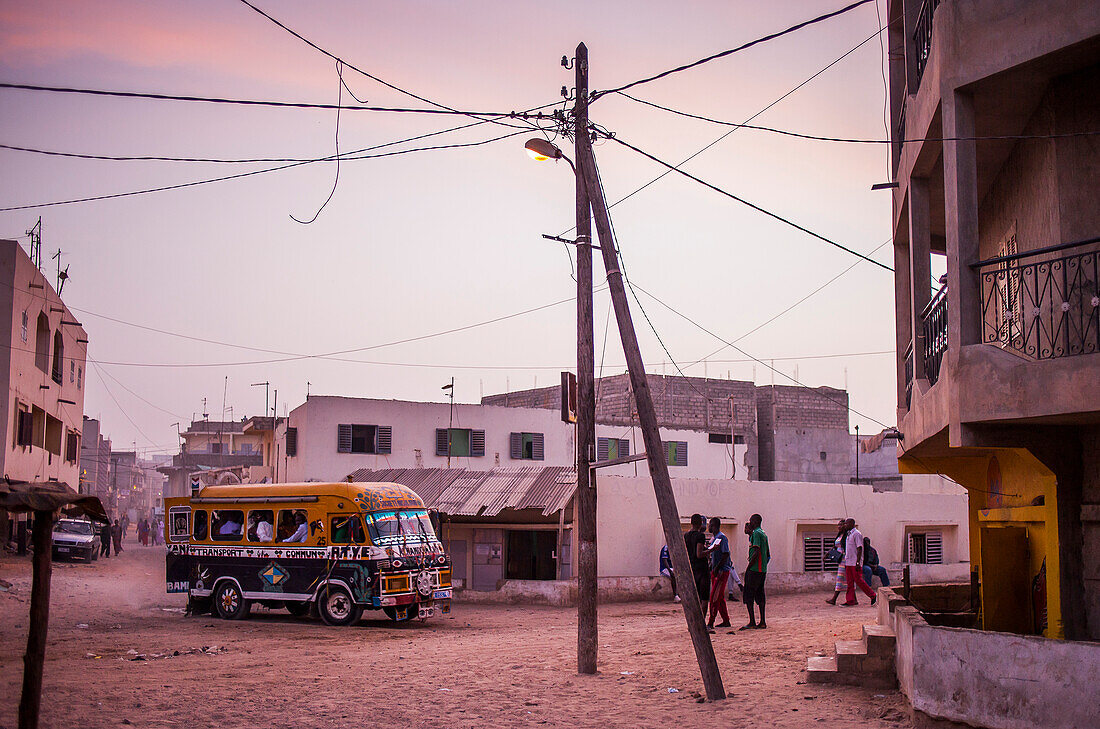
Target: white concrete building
x: 330, y: 437
x: 42, y: 372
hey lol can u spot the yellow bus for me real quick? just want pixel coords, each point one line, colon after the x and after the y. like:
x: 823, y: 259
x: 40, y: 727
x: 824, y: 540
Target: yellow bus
x: 340, y: 548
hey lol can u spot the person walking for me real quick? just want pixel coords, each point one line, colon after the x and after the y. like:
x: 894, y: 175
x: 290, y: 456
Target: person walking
x: 720, y: 568
x: 143, y: 532
x: 116, y: 537
x: 756, y: 572
x: 841, y: 583
x: 125, y: 524
x: 157, y: 529
x: 871, y: 566
x: 105, y: 540
x: 664, y: 566
x: 696, y: 541
x: 853, y: 566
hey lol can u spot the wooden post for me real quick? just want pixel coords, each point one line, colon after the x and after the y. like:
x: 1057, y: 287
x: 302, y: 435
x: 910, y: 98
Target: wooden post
x: 35, y: 656
x: 647, y: 415
x: 585, y: 504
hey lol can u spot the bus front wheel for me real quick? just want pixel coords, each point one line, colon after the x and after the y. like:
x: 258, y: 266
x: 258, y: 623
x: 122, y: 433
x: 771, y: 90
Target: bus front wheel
x: 337, y: 607
x: 230, y: 603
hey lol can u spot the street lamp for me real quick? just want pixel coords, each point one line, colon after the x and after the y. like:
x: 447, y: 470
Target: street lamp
x: 541, y: 150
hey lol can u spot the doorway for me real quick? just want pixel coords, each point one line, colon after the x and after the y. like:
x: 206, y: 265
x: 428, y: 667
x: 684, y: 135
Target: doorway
x: 531, y: 555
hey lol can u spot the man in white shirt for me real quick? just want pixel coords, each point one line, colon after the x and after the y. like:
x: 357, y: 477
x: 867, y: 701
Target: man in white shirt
x: 264, y: 530
x: 302, y: 532
x: 853, y: 565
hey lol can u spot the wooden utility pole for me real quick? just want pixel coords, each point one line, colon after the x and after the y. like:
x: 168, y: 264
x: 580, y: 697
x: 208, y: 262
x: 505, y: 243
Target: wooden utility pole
x: 585, y: 504
x: 35, y: 656
x: 647, y: 415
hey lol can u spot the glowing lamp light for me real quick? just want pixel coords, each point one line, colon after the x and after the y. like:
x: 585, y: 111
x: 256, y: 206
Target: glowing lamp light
x: 540, y: 150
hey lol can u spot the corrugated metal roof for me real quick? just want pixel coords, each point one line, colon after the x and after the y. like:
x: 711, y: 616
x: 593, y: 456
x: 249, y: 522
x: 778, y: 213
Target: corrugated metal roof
x: 462, y: 492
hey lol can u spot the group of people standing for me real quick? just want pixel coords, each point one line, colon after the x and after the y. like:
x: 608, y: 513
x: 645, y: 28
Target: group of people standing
x: 712, y: 566
x: 113, y: 534
x: 857, y: 564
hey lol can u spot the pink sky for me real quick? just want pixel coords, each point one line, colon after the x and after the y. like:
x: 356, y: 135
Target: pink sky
x: 421, y: 243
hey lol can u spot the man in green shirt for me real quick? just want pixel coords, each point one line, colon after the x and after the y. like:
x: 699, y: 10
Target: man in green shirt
x: 757, y: 570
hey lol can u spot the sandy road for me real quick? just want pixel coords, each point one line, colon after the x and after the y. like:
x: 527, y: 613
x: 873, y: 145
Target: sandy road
x: 483, y: 666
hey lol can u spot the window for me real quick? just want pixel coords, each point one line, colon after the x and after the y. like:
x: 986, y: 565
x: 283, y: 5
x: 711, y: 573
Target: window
x: 608, y: 449
x: 288, y: 523
x: 720, y: 438
x: 459, y: 442
x: 58, y: 356
x: 72, y: 446
x: 261, y: 525
x: 815, y: 550
x: 23, y: 328
x: 24, y: 428
x: 179, y: 526
x: 292, y: 442
x: 200, y: 526
x: 823, y: 455
x: 526, y: 446
x: 245, y: 449
x: 55, y: 432
x: 348, y: 529
x: 79, y: 376
x: 361, y: 438
x: 72, y: 370
x: 676, y: 451
x: 926, y: 547
x: 215, y: 447
x: 226, y: 525
x: 42, y: 343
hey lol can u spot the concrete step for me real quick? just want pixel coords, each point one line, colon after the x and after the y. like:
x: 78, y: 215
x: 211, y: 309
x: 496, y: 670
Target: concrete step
x: 879, y: 639
x: 852, y: 657
x: 821, y: 669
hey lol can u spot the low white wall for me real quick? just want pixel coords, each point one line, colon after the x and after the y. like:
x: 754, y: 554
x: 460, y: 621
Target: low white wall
x: 630, y: 533
x: 996, y: 680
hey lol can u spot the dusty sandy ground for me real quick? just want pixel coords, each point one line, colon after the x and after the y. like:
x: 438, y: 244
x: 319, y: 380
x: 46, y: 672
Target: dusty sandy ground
x: 483, y: 666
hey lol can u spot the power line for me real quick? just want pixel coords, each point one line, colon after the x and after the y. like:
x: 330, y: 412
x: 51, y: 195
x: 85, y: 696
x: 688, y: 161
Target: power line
x: 857, y: 140
x: 596, y: 94
x: 707, y: 146
x: 278, y: 104
x: 754, y: 206
x: 120, y: 409
x: 336, y: 181
x: 240, y: 175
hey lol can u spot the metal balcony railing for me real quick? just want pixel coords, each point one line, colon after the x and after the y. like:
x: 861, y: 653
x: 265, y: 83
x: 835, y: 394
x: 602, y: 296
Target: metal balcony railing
x: 922, y: 35
x: 1045, y: 303
x: 935, y: 334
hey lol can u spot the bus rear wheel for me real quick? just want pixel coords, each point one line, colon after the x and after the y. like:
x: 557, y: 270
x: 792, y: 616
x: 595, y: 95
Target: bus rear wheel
x: 336, y: 606
x: 230, y: 603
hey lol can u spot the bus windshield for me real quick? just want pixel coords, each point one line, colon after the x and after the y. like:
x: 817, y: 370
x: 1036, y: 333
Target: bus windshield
x: 402, y: 525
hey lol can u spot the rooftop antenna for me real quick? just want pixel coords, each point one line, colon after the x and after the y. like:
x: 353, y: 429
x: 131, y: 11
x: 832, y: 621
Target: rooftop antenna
x: 36, y: 243
x: 205, y: 415
x: 62, y: 276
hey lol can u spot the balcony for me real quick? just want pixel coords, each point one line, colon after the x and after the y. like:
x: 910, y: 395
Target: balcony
x: 934, y: 318
x: 922, y: 35
x: 1043, y: 304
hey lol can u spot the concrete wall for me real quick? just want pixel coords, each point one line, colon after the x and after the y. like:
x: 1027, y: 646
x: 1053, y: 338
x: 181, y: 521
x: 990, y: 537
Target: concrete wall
x: 799, y: 424
x: 996, y: 680
x: 30, y: 387
x: 631, y: 534
x: 413, y: 439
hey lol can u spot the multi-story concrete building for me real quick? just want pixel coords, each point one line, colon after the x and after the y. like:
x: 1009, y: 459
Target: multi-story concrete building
x: 215, y: 444
x: 95, y: 463
x: 996, y: 111
x: 42, y: 370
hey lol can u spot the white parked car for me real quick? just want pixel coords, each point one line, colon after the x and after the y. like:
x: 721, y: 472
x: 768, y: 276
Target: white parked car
x: 76, y: 538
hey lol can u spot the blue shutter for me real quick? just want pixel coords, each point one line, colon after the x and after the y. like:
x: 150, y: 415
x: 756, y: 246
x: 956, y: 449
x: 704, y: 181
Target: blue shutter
x: 477, y: 442
x: 624, y: 448
x: 343, y: 438
x: 537, y: 448
x: 515, y: 445
x: 681, y: 453
x: 385, y: 439
x: 441, y: 441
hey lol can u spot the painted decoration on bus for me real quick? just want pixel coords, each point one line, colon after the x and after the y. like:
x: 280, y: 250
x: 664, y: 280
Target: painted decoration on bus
x: 387, y: 497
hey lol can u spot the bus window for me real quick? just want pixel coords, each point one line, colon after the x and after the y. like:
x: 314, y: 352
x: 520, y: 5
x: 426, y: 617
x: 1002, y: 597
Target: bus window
x: 261, y: 525
x: 388, y: 526
x: 347, y: 530
x: 293, y: 525
x: 200, y: 526
x: 226, y: 525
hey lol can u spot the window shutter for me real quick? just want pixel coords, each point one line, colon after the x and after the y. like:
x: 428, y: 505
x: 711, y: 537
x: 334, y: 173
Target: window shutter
x: 343, y: 438
x: 812, y: 553
x: 933, y: 547
x: 292, y: 442
x: 385, y: 439
x: 26, y: 428
x: 515, y: 445
x: 912, y: 550
x: 537, y: 449
x: 477, y: 442
x: 601, y: 449
x: 624, y: 448
x: 681, y: 453
x: 441, y: 441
